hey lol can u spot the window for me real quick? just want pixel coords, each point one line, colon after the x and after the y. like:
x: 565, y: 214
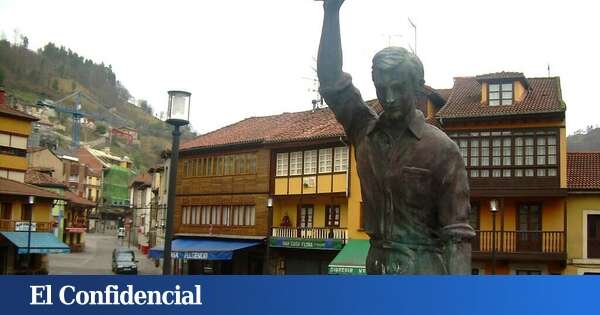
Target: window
x: 332, y: 216
x: 251, y: 160
x: 325, y: 160
x: 475, y: 152
x: 228, y: 168
x: 310, y: 162
x: 528, y: 272
x: 593, y: 235
x: 340, y: 159
x: 305, y: 216
x: 462, y: 145
x: 5, y: 211
x: 219, y: 166
x: 295, y: 163
x: 226, y: 215
x: 281, y: 168
x: 509, y: 152
x: 500, y: 94
x: 205, y: 215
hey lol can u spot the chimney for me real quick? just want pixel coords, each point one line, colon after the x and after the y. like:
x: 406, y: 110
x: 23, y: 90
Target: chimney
x: 2, y: 95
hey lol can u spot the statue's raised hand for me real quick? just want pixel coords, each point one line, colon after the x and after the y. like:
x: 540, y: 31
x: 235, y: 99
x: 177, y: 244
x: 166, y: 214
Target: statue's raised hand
x: 332, y: 4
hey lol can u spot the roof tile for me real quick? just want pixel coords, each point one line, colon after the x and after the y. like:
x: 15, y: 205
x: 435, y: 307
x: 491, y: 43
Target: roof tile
x: 583, y: 170
x: 465, y: 100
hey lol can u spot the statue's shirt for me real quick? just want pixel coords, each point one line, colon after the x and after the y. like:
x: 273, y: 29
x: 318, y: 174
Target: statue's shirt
x: 414, y: 184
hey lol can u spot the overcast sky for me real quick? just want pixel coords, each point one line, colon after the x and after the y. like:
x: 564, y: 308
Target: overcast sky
x: 242, y: 58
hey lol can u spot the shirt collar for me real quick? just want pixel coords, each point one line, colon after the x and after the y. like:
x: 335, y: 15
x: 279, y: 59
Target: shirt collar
x: 416, y: 124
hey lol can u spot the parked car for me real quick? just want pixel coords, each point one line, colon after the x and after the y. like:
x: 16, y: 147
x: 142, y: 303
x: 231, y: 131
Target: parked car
x: 121, y: 232
x: 123, y: 261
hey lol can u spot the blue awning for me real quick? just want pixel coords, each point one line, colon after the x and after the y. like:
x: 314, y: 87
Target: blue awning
x: 202, y: 249
x: 41, y: 243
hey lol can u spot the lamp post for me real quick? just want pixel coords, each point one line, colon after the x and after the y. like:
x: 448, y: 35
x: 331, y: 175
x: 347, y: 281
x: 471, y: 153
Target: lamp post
x: 178, y: 114
x: 266, y: 269
x: 494, y: 208
x: 30, y: 202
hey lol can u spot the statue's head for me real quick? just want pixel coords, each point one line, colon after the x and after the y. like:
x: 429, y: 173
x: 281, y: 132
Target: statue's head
x: 398, y: 77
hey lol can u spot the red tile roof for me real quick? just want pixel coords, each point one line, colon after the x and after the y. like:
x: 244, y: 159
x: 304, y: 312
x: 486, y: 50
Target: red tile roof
x: 11, y: 187
x: 286, y: 127
x: 583, y: 170
x: 143, y: 178
x: 500, y: 76
x: 37, y: 178
x: 544, y: 96
x: 5, y: 110
x: 78, y: 201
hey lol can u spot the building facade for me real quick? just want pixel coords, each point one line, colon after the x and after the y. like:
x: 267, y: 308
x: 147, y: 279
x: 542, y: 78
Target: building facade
x: 583, y: 218
x: 511, y: 133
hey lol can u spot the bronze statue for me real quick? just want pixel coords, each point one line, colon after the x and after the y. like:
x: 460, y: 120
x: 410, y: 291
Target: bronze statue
x: 413, y: 179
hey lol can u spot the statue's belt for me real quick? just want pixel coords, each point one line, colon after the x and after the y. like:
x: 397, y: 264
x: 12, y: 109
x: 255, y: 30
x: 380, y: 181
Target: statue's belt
x: 386, y: 244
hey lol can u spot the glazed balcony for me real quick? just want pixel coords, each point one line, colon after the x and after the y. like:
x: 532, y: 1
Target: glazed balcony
x: 542, y: 245
x: 22, y: 225
x: 309, y: 237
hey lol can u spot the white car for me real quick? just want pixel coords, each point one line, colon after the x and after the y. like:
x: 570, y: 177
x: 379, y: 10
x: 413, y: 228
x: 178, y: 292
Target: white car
x: 121, y: 232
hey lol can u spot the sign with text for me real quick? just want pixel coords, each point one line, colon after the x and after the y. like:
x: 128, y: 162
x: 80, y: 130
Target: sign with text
x: 306, y: 243
x: 24, y: 226
x: 266, y: 295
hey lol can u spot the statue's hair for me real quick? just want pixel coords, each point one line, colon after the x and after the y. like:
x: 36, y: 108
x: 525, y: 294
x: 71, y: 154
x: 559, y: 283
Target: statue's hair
x: 401, y: 59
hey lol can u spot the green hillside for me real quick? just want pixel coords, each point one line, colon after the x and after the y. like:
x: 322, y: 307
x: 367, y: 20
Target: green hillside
x: 54, y: 72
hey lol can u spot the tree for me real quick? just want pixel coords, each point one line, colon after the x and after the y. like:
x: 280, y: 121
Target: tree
x: 55, y: 85
x: 100, y: 129
x: 24, y: 41
x: 1, y: 77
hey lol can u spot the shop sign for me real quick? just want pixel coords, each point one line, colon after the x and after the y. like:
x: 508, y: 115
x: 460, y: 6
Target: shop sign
x: 306, y: 243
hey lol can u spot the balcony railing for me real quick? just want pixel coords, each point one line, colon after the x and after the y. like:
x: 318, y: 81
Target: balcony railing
x: 11, y: 225
x: 311, y: 233
x: 516, y: 242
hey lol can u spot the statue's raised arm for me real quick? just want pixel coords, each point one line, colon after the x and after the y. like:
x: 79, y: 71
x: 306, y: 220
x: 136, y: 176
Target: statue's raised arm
x: 335, y: 85
x: 330, y: 60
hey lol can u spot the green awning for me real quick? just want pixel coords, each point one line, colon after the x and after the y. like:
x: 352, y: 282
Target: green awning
x: 41, y: 243
x: 351, y: 259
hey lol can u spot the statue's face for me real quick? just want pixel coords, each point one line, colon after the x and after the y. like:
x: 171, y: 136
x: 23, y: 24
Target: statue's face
x: 395, y: 91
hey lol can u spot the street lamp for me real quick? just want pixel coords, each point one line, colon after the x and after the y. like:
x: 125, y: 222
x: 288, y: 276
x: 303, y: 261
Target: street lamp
x: 178, y: 114
x: 30, y: 202
x: 494, y: 207
x: 266, y: 269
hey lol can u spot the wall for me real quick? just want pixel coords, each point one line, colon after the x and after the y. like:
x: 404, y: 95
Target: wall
x: 15, y: 126
x: 354, y: 201
x: 45, y: 158
x: 576, y: 205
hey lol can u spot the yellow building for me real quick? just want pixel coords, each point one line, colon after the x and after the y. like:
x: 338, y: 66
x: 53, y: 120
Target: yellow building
x: 583, y: 213
x: 25, y: 210
x: 511, y: 132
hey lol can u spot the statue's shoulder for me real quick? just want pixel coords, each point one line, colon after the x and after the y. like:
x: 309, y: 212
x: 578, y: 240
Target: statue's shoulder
x: 439, y: 141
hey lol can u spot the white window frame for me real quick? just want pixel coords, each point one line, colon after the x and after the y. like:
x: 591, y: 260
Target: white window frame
x: 325, y: 160
x: 340, y: 159
x: 281, y: 168
x: 295, y: 163
x: 310, y: 162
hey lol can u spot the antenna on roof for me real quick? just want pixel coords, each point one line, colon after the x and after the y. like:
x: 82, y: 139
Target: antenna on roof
x: 388, y: 38
x: 548, y: 69
x: 317, y: 101
x: 415, y: 28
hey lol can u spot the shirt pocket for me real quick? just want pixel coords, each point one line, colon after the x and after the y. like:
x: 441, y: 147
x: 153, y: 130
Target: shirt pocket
x: 417, y: 186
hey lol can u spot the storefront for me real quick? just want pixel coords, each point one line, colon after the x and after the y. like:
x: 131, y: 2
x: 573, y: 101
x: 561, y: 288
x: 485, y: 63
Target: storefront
x: 214, y: 256
x: 26, y: 253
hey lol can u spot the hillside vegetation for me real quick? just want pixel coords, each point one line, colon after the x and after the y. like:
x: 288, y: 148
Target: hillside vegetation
x: 584, y: 141
x: 54, y: 72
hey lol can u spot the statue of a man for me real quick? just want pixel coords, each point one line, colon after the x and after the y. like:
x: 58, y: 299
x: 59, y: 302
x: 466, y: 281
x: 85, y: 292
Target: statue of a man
x: 413, y: 179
